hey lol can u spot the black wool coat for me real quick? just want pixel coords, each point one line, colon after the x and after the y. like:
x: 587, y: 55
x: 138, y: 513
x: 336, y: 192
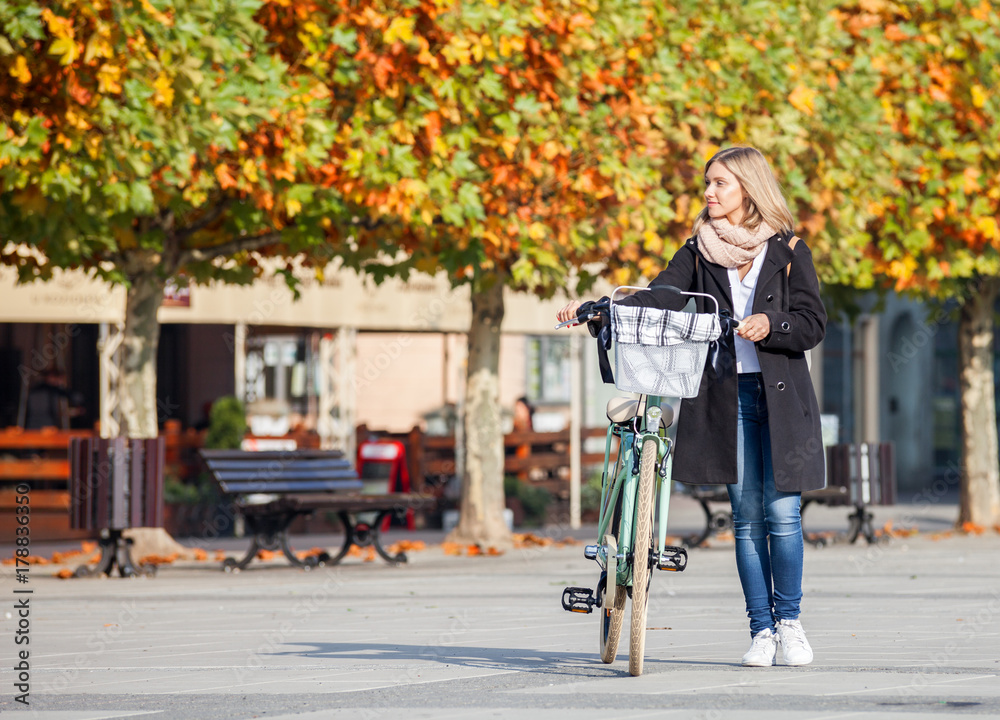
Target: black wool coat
x: 705, y: 451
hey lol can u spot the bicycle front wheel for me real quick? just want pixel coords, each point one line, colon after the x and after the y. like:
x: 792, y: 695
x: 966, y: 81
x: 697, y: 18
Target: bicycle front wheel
x: 642, y: 554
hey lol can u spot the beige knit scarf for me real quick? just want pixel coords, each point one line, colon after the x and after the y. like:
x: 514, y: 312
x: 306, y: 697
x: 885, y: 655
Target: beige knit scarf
x: 731, y: 245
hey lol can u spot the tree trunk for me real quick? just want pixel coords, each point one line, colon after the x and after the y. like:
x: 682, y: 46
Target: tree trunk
x: 481, y: 518
x: 979, y: 497
x: 142, y: 337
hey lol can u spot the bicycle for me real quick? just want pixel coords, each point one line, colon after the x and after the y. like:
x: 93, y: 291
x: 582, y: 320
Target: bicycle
x: 639, y: 483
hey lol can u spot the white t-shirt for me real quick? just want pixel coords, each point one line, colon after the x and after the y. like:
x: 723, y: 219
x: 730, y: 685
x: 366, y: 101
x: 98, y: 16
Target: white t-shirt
x: 743, y: 294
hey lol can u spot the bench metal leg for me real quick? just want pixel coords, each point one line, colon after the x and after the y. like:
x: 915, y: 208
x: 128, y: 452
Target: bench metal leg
x: 363, y: 534
x: 271, y: 533
x: 861, y: 524
x: 715, y: 522
x: 815, y: 542
x: 115, y: 552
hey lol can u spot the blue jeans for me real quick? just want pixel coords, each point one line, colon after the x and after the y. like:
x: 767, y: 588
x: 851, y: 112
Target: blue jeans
x: 766, y: 523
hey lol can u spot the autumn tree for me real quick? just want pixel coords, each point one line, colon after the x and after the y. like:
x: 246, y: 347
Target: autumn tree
x: 934, y: 233
x: 530, y: 144
x: 146, y: 140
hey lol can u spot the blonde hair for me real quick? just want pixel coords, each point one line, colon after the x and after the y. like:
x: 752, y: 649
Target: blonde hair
x: 762, y: 197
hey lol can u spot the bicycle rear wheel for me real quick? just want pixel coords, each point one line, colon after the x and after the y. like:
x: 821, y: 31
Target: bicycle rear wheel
x: 641, y: 554
x: 613, y: 609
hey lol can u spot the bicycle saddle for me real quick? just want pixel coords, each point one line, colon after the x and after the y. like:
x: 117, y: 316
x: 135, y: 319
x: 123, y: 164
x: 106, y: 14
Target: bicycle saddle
x: 622, y: 409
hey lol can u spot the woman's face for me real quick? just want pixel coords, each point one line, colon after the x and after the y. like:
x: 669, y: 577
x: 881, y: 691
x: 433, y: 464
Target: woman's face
x: 723, y: 194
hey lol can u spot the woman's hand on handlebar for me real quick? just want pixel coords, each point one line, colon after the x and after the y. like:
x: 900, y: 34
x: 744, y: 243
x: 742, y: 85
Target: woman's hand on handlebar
x: 568, y: 311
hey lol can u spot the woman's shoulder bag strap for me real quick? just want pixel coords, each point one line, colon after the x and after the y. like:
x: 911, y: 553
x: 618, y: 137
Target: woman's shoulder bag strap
x: 791, y: 246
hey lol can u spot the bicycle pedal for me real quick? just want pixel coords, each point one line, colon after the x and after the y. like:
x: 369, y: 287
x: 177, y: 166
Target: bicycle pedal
x: 577, y: 599
x: 672, y: 559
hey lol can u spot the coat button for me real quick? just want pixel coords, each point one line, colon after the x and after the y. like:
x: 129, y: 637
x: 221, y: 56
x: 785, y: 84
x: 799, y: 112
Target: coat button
x: 785, y: 326
x: 780, y: 386
x: 770, y: 298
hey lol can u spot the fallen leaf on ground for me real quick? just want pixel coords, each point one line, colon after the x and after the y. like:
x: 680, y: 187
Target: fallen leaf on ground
x: 58, y: 558
x: 404, y: 545
x: 29, y: 559
x: 311, y: 552
x: 524, y: 540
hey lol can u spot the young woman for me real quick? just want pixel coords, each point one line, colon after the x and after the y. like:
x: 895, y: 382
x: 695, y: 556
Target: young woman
x: 755, y: 423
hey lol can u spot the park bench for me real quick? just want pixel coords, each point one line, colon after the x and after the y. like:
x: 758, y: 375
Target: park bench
x: 858, y: 474
x: 115, y: 484
x: 271, y: 489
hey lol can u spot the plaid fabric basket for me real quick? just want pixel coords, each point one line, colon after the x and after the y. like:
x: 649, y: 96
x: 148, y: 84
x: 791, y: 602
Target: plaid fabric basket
x: 661, y: 352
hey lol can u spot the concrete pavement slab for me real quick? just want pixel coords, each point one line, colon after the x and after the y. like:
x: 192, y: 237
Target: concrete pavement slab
x: 908, y: 629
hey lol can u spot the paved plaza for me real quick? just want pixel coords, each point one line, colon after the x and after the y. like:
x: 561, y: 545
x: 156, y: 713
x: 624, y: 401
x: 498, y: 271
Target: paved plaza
x: 907, y: 629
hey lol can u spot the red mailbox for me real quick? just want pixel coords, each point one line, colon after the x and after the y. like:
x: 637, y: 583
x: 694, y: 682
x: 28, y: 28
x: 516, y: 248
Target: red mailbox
x: 382, y: 469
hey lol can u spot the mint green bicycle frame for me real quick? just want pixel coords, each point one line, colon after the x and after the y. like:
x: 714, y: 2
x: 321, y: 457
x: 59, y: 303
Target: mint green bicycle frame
x: 625, y: 484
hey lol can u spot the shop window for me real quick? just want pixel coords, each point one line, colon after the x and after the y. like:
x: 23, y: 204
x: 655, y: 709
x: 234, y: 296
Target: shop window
x: 548, y: 369
x: 280, y: 382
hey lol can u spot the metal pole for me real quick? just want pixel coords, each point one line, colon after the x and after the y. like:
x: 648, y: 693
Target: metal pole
x: 575, y: 429
x: 240, y: 361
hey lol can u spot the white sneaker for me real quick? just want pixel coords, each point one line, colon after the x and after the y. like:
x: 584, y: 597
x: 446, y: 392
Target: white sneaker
x: 762, y: 650
x: 795, y: 649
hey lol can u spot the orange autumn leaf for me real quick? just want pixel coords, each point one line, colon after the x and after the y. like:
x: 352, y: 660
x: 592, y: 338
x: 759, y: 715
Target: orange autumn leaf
x: 311, y: 552
x: 61, y: 557
x: 225, y: 177
x: 473, y: 550
x: 406, y: 546
x: 451, y: 548
x: 64, y: 574
x: 894, y: 33
x: 433, y: 127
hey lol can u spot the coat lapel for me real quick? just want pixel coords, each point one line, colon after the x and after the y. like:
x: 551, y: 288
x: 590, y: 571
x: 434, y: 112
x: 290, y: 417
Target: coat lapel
x: 778, y: 256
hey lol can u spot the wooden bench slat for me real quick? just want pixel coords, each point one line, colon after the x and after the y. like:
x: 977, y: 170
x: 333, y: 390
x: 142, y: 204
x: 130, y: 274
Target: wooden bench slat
x: 292, y: 471
x: 264, y: 476
x: 279, y: 465
x: 40, y: 500
x: 259, y: 455
x: 34, y: 469
x: 289, y: 486
x: 350, y: 503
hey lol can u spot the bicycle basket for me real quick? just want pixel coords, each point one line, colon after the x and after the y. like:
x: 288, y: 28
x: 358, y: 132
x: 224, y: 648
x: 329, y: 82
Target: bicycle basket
x: 661, y: 352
